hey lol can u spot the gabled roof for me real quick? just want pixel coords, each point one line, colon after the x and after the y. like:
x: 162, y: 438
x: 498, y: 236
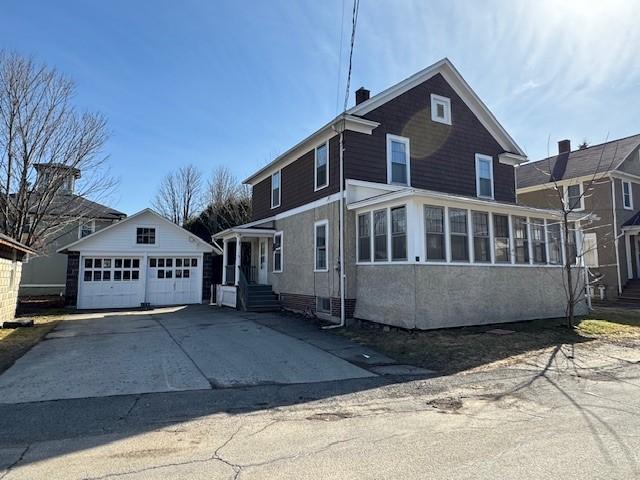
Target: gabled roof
x: 445, y: 68
x: 72, y: 245
x: 352, y: 117
x: 76, y: 205
x: 600, y: 158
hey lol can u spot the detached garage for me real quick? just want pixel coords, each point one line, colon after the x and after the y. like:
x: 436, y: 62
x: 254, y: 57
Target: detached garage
x: 141, y: 259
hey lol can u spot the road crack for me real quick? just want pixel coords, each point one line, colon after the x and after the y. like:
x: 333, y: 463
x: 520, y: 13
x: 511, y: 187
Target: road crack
x: 15, y: 464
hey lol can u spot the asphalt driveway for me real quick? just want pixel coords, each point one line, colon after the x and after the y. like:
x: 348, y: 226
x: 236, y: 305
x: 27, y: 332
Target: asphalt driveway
x: 179, y: 349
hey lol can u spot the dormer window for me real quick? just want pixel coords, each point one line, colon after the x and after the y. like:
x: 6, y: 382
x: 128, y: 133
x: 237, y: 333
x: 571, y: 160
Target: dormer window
x: 440, y: 109
x: 322, y: 166
x: 398, y: 160
x: 275, y: 190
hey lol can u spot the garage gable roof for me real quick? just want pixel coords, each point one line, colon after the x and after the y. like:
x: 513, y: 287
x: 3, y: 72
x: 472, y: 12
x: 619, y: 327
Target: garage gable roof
x: 147, y: 211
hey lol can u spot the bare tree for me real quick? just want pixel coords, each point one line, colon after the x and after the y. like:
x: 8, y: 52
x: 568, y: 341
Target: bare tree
x: 45, y: 146
x: 571, y: 214
x: 179, y: 195
x: 228, y: 204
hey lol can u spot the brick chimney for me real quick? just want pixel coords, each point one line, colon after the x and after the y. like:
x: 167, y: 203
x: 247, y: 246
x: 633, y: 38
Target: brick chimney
x: 564, y: 146
x: 362, y: 95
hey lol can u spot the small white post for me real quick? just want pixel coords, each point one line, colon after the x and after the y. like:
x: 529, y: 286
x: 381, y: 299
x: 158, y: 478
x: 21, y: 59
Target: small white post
x: 224, y: 262
x: 237, y: 259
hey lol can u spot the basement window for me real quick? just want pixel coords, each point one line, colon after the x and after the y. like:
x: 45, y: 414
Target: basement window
x: 323, y: 305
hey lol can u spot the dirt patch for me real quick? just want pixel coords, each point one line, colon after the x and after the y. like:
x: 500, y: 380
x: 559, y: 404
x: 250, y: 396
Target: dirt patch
x: 446, y: 404
x: 330, y: 416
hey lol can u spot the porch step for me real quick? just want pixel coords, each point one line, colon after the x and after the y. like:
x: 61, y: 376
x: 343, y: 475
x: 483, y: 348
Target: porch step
x: 262, y: 299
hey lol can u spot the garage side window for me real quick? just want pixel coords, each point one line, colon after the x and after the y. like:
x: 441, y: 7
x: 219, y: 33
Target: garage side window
x: 145, y: 236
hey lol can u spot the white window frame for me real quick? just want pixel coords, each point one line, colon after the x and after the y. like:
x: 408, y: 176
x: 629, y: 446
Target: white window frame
x: 325, y: 224
x: 624, y: 205
x: 315, y: 169
x: 279, y: 174
x: 146, y: 245
x: 273, y: 266
x: 444, y: 101
x: 580, y: 208
x: 407, y: 143
x: 590, y: 253
x: 93, y: 228
x: 480, y: 157
x: 368, y: 213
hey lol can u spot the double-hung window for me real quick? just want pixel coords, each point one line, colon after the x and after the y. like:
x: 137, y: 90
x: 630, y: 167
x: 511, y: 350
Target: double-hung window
x: 364, y: 237
x: 398, y: 160
x: 322, y: 166
x: 484, y: 176
x: 321, y: 239
x: 458, y: 233
x: 380, y: 253
x: 627, y: 195
x: 555, y: 243
x: 501, y: 238
x: 521, y: 239
x: 277, y: 252
x: 399, y: 233
x: 275, y: 189
x: 538, y: 241
x: 434, y: 226
x: 590, y: 249
x: 87, y: 229
x: 575, y: 198
x: 481, y: 238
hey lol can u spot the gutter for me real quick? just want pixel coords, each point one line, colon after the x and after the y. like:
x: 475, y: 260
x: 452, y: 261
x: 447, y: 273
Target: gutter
x: 341, y: 234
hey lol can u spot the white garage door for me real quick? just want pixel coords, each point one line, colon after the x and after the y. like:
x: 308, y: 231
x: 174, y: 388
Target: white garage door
x: 174, y: 280
x: 110, y: 282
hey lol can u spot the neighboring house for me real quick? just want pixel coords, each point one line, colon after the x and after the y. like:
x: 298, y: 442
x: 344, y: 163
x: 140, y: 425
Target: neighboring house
x: 401, y: 211
x: 12, y: 254
x: 143, y: 259
x: 46, y: 274
x: 603, y: 180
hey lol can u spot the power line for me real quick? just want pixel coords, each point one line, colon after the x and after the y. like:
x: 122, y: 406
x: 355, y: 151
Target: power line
x: 354, y: 22
x: 340, y: 59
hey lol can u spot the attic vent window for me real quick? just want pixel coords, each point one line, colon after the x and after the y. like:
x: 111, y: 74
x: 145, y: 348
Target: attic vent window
x: 440, y: 109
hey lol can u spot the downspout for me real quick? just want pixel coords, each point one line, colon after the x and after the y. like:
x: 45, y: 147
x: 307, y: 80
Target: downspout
x: 341, y: 269
x: 615, y: 231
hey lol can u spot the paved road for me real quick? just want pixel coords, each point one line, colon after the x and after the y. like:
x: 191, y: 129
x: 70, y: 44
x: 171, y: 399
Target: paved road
x: 572, y: 416
x: 168, y: 350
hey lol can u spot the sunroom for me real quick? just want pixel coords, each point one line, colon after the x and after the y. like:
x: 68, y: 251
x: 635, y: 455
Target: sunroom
x: 427, y: 259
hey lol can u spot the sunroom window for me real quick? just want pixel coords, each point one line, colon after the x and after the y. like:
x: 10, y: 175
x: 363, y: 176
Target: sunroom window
x: 501, y: 238
x: 364, y: 237
x: 521, y: 239
x: 380, y: 236
x: 538, y: 241
x: 434, y: 226
x: 458, y: 233
x: 555, y: 243
x: 399, y: 233
x: 481, y: 239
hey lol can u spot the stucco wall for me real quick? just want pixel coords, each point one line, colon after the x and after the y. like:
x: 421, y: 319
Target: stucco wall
x: 426, y: 296
x: 10, y: 272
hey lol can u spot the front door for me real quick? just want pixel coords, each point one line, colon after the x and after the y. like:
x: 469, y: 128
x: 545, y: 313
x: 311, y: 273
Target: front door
x: 262, y: 262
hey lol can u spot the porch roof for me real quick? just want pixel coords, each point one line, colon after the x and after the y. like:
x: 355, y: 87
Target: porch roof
x: 391, y: 193
x: 255, y: 232
x: 633, y: 223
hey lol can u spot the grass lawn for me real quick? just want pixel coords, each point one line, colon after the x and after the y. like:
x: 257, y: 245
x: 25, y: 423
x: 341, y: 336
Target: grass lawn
x: 15, y: 342
x: 459, y: 349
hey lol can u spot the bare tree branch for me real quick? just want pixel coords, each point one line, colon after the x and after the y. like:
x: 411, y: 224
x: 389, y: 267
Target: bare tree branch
x: 46, y: 147
x: 179, y: 196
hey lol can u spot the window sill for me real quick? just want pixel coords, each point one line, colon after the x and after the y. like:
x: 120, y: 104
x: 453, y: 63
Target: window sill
x: 444, y: 121
x: 315, y: 270
x: 317, y: 189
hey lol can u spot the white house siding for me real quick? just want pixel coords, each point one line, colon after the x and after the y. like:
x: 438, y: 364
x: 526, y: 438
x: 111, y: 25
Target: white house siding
x: 117, y: 246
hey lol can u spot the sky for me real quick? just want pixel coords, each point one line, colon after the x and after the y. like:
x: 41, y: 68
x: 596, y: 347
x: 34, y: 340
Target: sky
x: 234, y: 83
